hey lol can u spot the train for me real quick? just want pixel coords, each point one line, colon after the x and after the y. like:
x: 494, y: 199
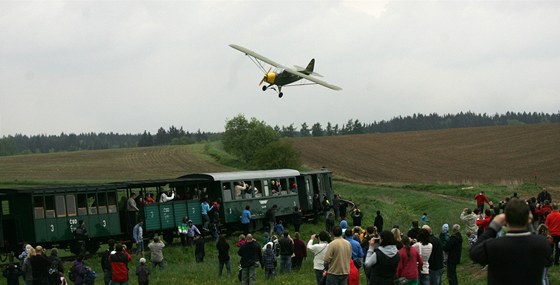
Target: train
x: 49, y: 215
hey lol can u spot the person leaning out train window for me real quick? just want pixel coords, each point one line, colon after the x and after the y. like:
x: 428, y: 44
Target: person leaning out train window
x: 165, y: 197
x: 240, y: 188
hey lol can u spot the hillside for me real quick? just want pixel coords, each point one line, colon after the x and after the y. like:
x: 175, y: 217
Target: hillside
x: 499, y: 155
x: 109, y: 165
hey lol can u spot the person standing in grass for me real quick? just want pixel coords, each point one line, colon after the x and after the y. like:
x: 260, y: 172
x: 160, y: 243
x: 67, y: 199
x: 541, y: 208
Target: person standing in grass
x: 286, y: 251
x: 143, y: 272
x: 156, y: 247
x: 384, y: 260
x: 269, y: 260
x: 246, y: 220
x: 378, y: 223
x: 223, y: 256
x: 519, y: 257
x: 138, y: 236
x: 300, y: 252
x: 319, y: 251
x: 250, y: 253
x: 119, y: 260
x: 337, y: 259
x: 424, y: 247
x: 453, y: 247
x: 199, y: 251
x: 410, y: 262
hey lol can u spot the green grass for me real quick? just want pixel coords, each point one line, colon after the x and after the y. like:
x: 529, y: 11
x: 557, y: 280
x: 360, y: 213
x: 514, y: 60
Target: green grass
x: 399, y: 206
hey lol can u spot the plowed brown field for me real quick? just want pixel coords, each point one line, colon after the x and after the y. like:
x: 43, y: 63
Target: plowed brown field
x: 497, y: 155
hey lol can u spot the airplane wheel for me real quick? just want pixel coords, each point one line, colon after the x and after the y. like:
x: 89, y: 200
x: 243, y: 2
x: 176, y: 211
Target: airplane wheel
x: 280, y: 95
x: 264, y: 88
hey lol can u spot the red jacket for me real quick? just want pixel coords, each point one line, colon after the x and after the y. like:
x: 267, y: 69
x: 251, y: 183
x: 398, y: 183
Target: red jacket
x: 408, y: 266
x: 481, y: 199
x: 484, y: 223
x: 354, y: 276
x: 119, y: 266
x: 553, y: 223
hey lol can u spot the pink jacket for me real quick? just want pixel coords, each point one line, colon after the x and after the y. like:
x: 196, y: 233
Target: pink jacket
x: 408, y: 266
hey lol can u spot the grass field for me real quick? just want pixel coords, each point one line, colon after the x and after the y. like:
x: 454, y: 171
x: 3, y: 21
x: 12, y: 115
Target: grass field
x: 398, y: 204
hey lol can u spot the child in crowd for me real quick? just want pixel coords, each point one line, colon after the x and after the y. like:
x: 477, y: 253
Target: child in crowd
x: 269, y: 260
x: 241, y: 241
x: 424, y: 219
x: 143, y: 272
x: 279, y: 228
x: 12, y: 274
x: 199, y: 249
x: 471, y: 237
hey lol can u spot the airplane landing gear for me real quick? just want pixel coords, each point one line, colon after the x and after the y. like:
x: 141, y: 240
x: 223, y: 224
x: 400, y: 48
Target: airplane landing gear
x: 264, y: 88
x: 280, y: 95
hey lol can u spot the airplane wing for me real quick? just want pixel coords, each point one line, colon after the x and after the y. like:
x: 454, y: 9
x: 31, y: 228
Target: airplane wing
x: 256, y: 55
x: 312, y: 79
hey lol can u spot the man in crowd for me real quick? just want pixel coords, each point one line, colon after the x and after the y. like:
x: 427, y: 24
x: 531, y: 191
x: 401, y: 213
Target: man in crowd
x: 250, y: 253
x: 553, y: 223
x: 119, y: 260
x: 286, y: 251
x: 453, y: 247
x: 40, y: 265
x: 517, y: 258
x: 337, y: 259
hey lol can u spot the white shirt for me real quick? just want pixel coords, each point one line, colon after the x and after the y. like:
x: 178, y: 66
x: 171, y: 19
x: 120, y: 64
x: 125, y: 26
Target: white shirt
x: 319, y: 251
x: 425, y: 252
x: 164, y: 198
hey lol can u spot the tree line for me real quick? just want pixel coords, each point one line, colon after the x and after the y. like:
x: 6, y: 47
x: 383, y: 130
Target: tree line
x: 23, y: 144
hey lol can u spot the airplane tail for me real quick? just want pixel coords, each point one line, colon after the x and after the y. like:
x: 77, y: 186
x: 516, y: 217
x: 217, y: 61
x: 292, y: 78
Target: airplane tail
x: 310, y: 66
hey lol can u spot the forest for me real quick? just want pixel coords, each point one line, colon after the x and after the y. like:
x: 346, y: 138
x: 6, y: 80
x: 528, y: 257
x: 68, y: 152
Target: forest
x: 25, y: 144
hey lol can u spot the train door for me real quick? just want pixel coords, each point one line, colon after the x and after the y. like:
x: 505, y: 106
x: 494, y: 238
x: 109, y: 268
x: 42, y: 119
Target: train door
x: 305, y: 191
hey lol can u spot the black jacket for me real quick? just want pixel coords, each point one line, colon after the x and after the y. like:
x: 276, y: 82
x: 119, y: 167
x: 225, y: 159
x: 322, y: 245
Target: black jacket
x: 454, y: 248
x: 286, y: 246
x: 250, y: 253
x: 436, y: 258
x: 516, y: 258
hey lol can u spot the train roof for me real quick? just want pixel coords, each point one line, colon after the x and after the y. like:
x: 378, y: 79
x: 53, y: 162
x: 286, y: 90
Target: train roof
x: 241, y: 175
x: 57, y: 188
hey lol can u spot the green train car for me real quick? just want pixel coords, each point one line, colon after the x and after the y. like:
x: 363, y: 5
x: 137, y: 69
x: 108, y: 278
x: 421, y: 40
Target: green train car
x: 49, y: 215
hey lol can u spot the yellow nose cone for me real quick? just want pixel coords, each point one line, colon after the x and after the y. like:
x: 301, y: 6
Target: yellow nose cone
x: 270, y: 77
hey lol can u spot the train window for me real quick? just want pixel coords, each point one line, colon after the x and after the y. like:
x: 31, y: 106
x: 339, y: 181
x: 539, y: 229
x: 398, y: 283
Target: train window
x: 112, y: 202
x: 5, y: 208
x: 226, y: 186
x: 284, y: 186
x: 49, y: 207
x: 92, y: 201
x: 257, y: 188
x: 266, y: 191
x: 102, y: 203
x: 39, y: 207
x: 293, y: 185
x: 60, y: 206
x: 249, y: 190
x: 82, y: 204
x: 71, y: 205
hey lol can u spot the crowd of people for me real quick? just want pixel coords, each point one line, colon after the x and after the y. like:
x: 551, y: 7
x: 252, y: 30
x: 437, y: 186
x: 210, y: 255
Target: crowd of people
x: 497, y: 236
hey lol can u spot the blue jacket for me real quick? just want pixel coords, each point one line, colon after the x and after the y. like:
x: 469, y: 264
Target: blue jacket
x: 205, y: 208
x: 357, y: 251
x: 246, y: 217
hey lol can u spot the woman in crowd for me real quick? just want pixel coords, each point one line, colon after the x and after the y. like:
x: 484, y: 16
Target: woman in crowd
x: 410, y: 262
x: 383, y: 261
x: 319, y: 250
x: 424, y: 247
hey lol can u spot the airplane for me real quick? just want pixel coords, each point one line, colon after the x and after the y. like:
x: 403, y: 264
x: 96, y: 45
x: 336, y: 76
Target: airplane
x: 281, y: 75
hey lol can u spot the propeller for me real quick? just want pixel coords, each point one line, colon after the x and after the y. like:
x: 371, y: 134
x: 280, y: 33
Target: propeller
x: 265, y: 76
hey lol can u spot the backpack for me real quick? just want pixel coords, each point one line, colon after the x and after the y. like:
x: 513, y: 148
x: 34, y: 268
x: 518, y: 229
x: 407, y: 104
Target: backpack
x: 89, y: 277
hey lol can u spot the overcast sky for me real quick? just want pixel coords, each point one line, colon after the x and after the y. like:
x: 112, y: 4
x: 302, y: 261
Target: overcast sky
x: 130, y: 66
